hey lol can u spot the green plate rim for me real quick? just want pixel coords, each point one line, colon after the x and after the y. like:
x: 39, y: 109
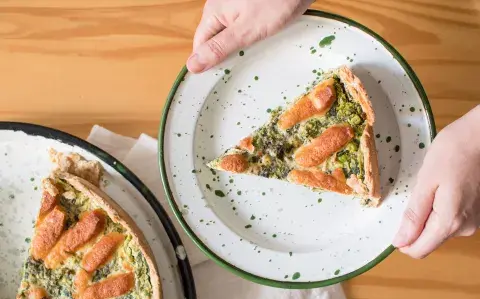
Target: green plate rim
x: 246, y: 275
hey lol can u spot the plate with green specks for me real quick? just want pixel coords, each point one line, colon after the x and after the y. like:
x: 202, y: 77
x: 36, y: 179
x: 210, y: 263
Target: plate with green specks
x: 272, y: 232
x: 24, y: 161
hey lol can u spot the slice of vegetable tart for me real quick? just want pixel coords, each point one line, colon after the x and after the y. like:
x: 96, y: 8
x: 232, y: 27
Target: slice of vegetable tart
x: 324, y: 140
x: 84, y: 245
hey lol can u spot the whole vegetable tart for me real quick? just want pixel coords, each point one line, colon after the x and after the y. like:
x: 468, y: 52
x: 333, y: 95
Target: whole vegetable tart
x: 84, y: 245
x: 324, y: 140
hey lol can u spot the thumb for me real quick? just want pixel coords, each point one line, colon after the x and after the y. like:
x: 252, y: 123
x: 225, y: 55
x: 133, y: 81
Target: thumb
x: 208, y: 27
x: 416, y: 214
x: 215, y: 50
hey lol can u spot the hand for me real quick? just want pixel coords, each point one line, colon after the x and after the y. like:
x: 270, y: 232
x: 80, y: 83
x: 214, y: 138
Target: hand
x: 228, y: 25
x: 446, y: 199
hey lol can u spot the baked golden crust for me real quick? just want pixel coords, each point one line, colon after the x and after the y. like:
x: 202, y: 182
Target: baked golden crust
x: 246, y: 144
x: 319, y: 179
x: 236, y: 163
x: 118, y: 215
x: 37, y: 293
x: 339, y: 175
x: 367, y: 142
x: 372, y: 176
x: 82, y: 278
x: 321, y: 148
x: 73, y: 163
x: 49, y: 187
x: 102, y: 251
x: 48, y: 232
x: 114, y: 286
x: 316, y: 103
x: 48, y: 203
x: 89, y: 226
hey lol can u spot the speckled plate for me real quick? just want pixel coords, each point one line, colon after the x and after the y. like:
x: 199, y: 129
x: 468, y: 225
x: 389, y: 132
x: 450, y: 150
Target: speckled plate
x: 24, y: 161
x: 272, y: 232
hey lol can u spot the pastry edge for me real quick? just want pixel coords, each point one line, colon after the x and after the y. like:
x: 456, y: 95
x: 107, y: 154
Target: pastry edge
x: 118, y: 215
x: 357, y: 91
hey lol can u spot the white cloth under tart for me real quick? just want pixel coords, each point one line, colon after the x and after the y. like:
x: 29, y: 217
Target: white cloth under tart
x: 212, y: 281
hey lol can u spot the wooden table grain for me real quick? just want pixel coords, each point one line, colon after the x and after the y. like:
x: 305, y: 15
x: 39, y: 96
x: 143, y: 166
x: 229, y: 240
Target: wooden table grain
x: 72, y: 64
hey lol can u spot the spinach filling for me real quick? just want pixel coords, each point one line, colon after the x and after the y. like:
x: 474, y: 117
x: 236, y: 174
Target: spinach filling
x: 275, y: 148
x: 274, y: 168
x: 135, y: 257
x: 59, y: 282
x: 351, y: 161
x: 279, y: 146
x: 269, y: 140
x: 343, y: 110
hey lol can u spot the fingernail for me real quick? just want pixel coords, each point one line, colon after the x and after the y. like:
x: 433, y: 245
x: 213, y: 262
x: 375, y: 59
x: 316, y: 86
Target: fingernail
x: 399, y: 240
x: 195, y: 64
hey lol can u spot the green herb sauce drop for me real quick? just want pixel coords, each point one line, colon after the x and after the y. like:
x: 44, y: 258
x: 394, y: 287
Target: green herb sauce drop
x: 327, y: 41
x: 219, y: 193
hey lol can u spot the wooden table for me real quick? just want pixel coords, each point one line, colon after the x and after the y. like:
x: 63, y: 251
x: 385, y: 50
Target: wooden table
x: 72, y: 64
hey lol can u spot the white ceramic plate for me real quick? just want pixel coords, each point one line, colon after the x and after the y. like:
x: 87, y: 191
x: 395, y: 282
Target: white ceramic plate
x: 273, y: 232
x: 24, y: 161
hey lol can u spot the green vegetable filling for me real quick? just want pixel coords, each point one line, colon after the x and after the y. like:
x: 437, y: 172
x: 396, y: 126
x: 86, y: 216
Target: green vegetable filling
x: 274, y: 148
x: 344, y: 110
x: 59, y: 282
x: 351, y: 161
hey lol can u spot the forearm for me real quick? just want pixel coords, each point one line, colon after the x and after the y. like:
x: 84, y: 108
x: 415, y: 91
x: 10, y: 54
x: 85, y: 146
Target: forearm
x: 475, y: 114
x: 472, y: 122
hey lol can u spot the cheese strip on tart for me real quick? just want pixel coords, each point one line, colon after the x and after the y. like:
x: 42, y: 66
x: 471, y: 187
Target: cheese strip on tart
x: 84, y: 245
x: 324, y: 140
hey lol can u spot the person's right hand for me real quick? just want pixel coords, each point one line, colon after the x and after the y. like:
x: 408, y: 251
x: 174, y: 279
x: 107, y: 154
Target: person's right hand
x: 228, y: 25
x: 446, y: 199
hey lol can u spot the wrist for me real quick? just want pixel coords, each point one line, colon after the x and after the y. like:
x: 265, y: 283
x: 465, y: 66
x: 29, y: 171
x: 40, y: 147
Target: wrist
x: 474, y: 115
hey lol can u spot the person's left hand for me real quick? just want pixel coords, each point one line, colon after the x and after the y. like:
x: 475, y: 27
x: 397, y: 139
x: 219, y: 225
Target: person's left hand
x: 446, y: 199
